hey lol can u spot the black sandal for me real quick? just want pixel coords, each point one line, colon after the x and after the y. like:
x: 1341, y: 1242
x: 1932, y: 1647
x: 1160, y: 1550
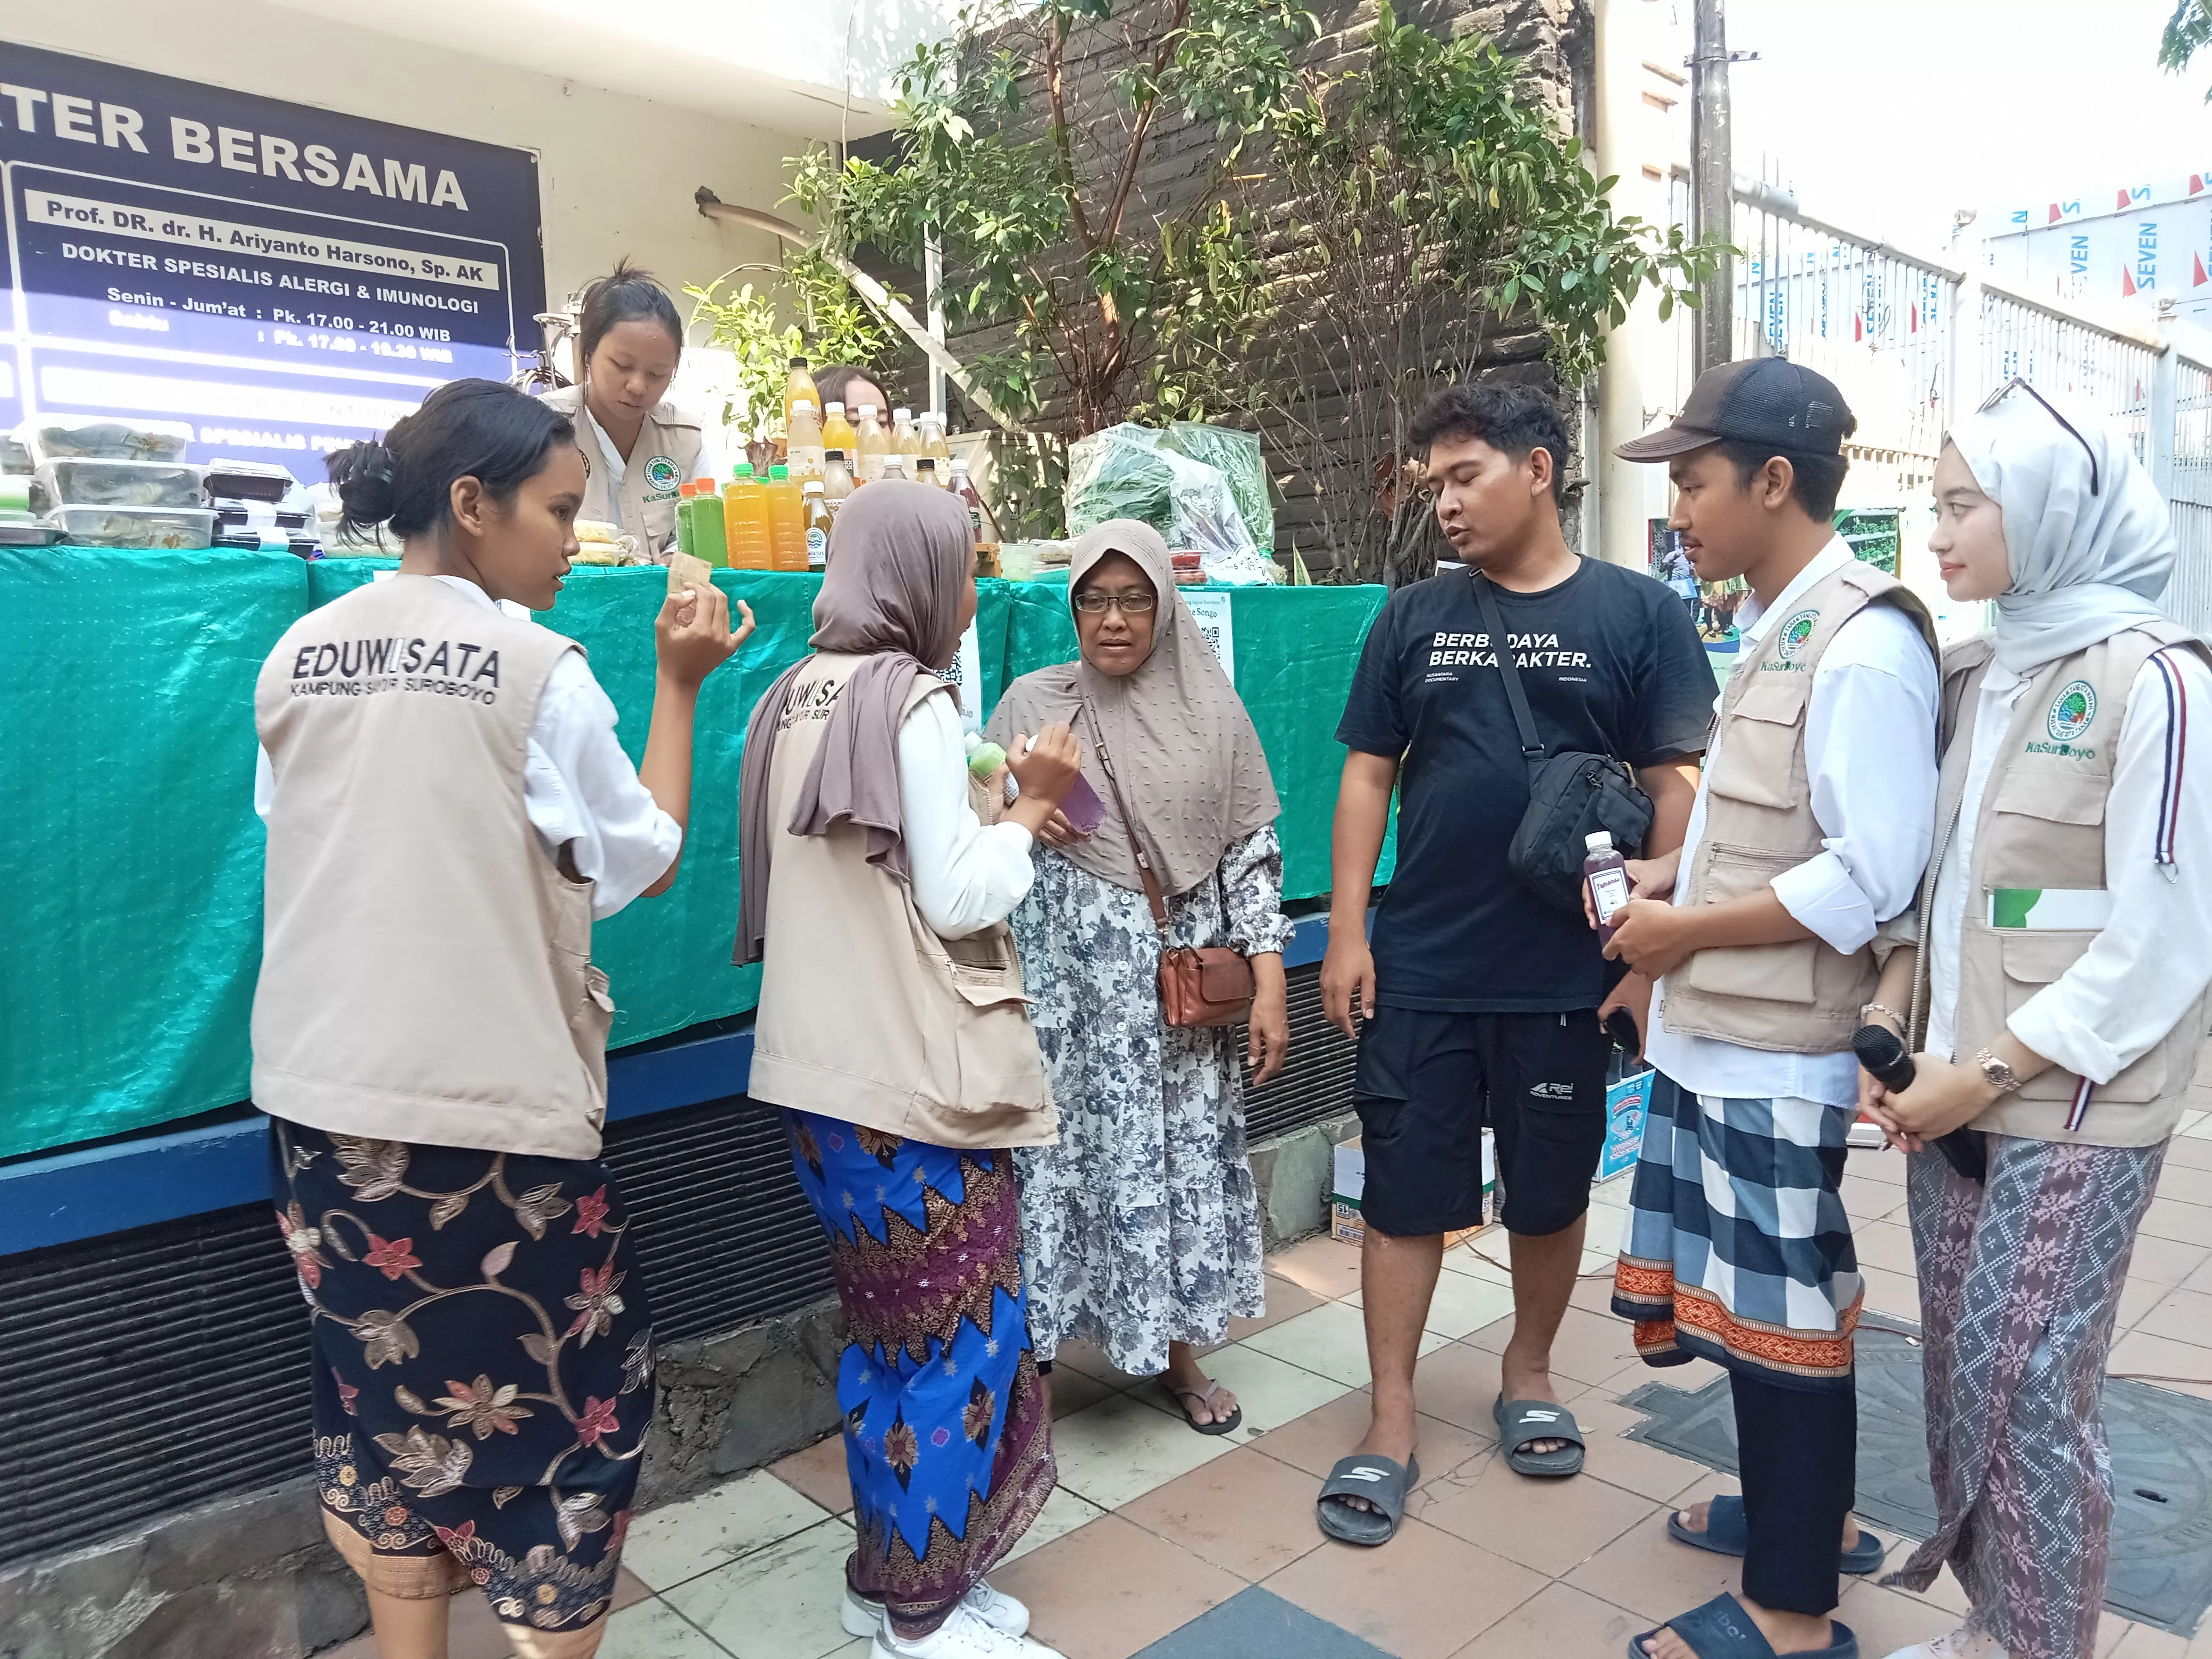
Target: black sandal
x: 1376, y: 1481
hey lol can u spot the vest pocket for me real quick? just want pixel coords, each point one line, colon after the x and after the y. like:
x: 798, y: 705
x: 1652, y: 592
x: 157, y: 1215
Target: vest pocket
x: 1757, y: 763
x: 2035, y: 958
x: 1771, y: 973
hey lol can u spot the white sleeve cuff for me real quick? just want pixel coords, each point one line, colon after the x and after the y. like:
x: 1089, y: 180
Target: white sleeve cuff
x: 1820, y: 894
x: 2044, y: 1025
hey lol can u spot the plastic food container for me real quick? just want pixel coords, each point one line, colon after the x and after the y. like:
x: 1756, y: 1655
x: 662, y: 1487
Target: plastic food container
x: 14, y: 456
x: 91, y: 437
x: 249, y: 481
x: 134, y: 527
x: 117, y: 483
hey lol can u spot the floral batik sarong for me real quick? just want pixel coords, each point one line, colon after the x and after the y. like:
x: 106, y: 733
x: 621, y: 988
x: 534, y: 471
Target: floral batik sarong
x: 1737, y: 1247
x: 2019, y: 1284
x: 482, y: 1369
x: 945, y: 1436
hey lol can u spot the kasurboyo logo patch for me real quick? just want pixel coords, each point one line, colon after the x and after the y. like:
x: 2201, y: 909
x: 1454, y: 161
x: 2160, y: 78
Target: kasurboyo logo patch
x: 1795, y: 633
x: 660, y: 473
x: 2072, y: 711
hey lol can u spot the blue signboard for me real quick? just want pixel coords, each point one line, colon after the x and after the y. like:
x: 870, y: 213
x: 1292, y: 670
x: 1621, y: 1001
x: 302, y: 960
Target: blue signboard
x: 283, y: 279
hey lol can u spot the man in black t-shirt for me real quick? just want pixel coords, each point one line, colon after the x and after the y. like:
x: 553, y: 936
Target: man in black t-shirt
x: 1482, y: 1003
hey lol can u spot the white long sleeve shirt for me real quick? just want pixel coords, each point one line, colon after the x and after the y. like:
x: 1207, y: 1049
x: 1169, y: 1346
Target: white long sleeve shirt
x: 966, y: 874
x: 578, y: 787
x: 1870, y: 763
x: 2153, y: 957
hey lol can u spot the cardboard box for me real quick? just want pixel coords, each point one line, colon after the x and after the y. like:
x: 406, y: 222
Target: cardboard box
x: 1623, y: 1128
x: 1349, y: 1185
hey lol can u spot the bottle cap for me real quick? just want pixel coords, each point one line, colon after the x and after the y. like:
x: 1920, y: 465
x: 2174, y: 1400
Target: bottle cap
x: 742, y: 469
x: 1599, y: 841
x: 779, y: 471
x: 929, y: 461
x: 807, y: 404
x: 867, y: 411
x: 902, y: 415
x: 827, y: 454
x: 811, y: 487
x: 798, y: 362
x: 833, y: 407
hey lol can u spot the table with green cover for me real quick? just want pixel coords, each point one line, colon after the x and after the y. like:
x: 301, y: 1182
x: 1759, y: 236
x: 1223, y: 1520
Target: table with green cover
x: 126, y: 680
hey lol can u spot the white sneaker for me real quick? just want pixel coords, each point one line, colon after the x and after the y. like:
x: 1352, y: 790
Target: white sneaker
x: 963, y: 1636
x: 1961, y: 1643
x: 862, y: 1617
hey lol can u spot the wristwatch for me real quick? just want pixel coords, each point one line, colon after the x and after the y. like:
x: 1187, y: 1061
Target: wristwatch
x: 1995, y: 1072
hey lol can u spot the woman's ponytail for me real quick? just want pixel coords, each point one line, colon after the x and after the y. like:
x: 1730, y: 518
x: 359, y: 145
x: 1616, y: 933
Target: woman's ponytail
x: 477, y: 429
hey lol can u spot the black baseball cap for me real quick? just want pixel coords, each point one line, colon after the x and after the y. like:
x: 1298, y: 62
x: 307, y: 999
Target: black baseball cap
x: 1757, y: 400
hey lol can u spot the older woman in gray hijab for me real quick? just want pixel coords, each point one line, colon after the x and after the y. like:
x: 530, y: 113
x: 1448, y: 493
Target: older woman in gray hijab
x: 1142, y: 1227
x: 892, y: 1032
x: 2059, y: 999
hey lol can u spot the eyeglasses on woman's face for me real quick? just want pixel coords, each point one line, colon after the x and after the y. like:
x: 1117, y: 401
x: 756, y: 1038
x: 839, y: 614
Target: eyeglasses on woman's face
x: 1092, y: 603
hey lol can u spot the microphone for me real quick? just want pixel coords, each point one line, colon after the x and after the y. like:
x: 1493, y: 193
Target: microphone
x: 1883, y: 1053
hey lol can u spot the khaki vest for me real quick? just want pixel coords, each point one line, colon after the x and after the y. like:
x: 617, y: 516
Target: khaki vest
x: 425, y: 970
x: 2042, y: 824
x: 866, y: 1013
x: 1803, y: 997
x: 661, y: 462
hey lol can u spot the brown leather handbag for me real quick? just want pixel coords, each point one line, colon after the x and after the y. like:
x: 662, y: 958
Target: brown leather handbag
x: 1210, y: 985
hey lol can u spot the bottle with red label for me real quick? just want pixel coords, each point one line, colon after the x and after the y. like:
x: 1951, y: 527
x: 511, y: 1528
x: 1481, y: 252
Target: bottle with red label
x: 1604, y: 873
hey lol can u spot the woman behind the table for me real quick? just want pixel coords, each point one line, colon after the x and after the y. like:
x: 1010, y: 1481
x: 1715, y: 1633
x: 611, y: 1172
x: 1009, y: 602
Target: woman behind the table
x: 1142, y: 1225
x: 2059, y: 995
x: 892, y: 1032
x: 448, y: 809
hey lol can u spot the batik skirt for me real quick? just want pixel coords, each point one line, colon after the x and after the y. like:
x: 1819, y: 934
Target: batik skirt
x: 2019, y: 1284
x: 1737, y: 1248
x: 946, y: 1439
x: 482, y: 1367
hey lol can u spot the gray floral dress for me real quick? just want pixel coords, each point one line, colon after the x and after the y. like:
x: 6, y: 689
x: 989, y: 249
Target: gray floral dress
x: 1141, y: 1226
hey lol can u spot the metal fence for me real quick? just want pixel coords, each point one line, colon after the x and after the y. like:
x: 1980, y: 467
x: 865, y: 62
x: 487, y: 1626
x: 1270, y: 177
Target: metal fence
x: 1911, y: 339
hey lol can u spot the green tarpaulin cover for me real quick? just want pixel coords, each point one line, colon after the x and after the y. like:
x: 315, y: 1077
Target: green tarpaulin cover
x: 126, y: 679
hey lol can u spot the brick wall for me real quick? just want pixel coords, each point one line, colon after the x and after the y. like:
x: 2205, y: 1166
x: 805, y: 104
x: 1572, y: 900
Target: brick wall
x: 1552, y: 39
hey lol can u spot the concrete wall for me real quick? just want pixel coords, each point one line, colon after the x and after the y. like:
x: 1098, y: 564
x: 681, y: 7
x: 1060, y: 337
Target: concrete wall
x: 616, y: 171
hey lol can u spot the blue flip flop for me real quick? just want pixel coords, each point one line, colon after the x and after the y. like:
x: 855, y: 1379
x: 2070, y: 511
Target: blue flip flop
x: 1722, y: 1630
x: 1728, y: 1532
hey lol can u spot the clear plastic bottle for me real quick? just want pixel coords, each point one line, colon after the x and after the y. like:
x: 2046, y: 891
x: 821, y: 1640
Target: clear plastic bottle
x: 894, y: 467
x: 817, y: 517
x: 745, y: 519
x: 904, y: 439
x: 804, y: 444
x: 1604, y: 873
x: 837, y: 432
x: 965, y: 489
x: 836, y: 477
x: 787, y: 527
x: 709, y: 533
x: 933, y: 443
x: 872, y: 444
x: 797, y: 385
x: 925, y: 471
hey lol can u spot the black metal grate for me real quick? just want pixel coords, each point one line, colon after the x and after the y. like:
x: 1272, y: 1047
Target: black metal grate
x: 152, y: 1370
x: 1317, y: 1082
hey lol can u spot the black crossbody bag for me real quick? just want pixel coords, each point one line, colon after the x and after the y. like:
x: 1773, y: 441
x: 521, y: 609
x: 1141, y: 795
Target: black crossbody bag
x: 1571, y: 795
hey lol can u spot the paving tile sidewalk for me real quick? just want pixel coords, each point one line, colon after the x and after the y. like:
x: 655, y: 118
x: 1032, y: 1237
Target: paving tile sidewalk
x: 1171, y: 1545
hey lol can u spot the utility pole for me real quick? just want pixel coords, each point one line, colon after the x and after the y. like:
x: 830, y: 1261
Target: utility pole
x: 1711, y: 176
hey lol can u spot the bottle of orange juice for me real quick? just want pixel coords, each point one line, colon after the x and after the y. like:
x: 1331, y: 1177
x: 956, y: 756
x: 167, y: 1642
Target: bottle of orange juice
x: 745, y: 519
x: 873, y: 444
x: 837, y: 432
x: 797, y: 385
x: 787, y: 521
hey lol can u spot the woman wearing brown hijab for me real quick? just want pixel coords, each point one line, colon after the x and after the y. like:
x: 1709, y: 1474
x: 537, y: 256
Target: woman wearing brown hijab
x: 892, y: 1033
x: 1141, y: 1225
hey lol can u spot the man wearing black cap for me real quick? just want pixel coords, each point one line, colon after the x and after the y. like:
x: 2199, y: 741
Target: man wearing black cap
x: 1810, y: 830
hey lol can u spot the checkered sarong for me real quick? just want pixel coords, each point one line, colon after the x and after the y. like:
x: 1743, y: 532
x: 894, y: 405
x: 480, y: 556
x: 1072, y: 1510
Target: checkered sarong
x: 1738, y: 1250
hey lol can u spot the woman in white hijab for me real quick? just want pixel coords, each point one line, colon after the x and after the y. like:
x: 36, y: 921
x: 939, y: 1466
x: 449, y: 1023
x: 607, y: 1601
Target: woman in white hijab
x: 2059, y: 1001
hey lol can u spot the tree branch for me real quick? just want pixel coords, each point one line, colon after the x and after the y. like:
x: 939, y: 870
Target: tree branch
x: 1171, y: 38
x: 1056, y: 41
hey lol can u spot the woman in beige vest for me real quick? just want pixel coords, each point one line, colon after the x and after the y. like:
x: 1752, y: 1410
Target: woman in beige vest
x: 1143, y: 1224
x: 448, y: 809
x: 2059, y: 1000
x: 893, y: 1031
x: 639, y: 449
